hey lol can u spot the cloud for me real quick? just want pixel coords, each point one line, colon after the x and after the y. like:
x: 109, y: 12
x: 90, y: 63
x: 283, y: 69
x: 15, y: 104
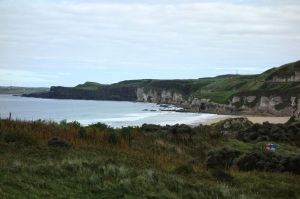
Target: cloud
x: 51, y: 36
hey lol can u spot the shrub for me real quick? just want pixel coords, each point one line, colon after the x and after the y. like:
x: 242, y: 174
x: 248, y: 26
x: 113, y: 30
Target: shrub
x: 269, y: 162
x: 63, y: 122
x: 113, y: 137
x: 221, y: 158
x: 99, y: 125
x: 74, y: 124
x: 150, y: 127
x: 19, y: 138
x: 271, y: 132
x: 82, y: 132
x: 294, y: 165
x: 59, y: 143
x: 181, y: 129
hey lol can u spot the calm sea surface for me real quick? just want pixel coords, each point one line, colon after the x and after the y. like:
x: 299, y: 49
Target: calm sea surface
x: 113, y: 113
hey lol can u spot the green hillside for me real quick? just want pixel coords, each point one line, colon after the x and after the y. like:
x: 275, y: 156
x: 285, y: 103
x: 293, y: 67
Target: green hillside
x: 89, y: 86
x: 221, y: 88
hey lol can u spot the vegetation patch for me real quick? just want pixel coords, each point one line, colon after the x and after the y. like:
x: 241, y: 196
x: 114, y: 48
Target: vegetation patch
x: 140, y: 162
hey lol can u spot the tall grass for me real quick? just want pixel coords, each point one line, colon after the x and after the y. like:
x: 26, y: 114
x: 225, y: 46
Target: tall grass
x: 126, y: 163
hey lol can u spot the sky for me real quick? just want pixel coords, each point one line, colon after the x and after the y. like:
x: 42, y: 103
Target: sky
x: 67, y: 42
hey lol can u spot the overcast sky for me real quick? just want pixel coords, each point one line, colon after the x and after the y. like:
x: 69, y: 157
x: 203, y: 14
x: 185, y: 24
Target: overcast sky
x: 56, y: 42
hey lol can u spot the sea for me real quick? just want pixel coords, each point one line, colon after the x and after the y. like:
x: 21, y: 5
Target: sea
x: 113, y: 113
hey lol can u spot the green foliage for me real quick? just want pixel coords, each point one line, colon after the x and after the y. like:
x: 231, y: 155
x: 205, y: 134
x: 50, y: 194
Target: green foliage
x: 285, y: 70
x: 156, y: 164
x: 20, y: 138
x: 113, y: 137
x: 89, y: 86
x: 63, y: 122
x: 100, y: 126
x: 82, y: 132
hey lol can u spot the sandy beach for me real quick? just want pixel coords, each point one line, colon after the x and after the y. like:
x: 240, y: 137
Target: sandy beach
x: 253, y: 119
x: 274, y: 120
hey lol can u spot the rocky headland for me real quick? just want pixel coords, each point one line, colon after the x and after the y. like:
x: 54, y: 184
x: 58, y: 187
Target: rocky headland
x: 275, y: 92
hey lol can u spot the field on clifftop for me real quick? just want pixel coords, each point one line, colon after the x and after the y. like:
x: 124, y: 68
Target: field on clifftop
x: 41, y: 159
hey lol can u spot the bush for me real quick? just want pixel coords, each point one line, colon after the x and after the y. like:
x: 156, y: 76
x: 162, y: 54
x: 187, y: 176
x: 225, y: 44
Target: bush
x: 59, y: 143
x: 99, y: 125
x: 269, y: 162
x: 294, y: 165
x: 19, y: 138
x: 82, y: 132
x: 113, y: 137
x: 222, y: 158
x: 271, y: 132
x: 180, y: 129
x: 150, y: 127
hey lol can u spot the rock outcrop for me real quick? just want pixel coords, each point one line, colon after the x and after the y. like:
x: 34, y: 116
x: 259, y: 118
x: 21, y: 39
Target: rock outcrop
x: 158, y: 96
x: 267, y: 105
x: 292, y: 78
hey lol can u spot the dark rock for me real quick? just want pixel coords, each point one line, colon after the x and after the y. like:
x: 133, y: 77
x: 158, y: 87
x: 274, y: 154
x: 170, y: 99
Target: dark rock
x: 110, y: 92
x: 233, y: 125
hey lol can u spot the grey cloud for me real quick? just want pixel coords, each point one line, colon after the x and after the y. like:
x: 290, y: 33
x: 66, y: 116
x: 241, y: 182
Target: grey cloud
x: 52, y: 35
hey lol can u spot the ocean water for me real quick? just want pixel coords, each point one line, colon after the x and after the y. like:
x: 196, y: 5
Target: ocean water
x: 113, y: 113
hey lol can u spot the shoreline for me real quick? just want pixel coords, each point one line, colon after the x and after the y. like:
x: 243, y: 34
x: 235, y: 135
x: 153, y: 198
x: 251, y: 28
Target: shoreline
x: 252, y: 118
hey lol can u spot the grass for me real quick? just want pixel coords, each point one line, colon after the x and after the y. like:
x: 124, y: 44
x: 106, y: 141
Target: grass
x: 89, y: 86
x: 136, y: 164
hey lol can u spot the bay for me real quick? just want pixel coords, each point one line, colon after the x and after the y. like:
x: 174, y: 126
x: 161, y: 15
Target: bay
x: 112, y: 113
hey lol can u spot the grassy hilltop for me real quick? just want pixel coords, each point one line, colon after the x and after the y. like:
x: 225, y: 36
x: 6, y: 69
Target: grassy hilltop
x: 221, y: 88
x: 49, y: 160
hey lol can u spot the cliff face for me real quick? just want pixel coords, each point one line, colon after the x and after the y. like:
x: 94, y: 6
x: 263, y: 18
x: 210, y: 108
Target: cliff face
x: 103, y: 93
x: 283, y: 79
x: 241, y: 104
x: 273, y: 105
x: 263, y: 105
x: 158, y: 96
x: 191, y: 104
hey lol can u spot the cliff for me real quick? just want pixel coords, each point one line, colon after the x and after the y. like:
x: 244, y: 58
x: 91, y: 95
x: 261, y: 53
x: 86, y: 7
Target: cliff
x: 274, y: 92
x: 103, y: 93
